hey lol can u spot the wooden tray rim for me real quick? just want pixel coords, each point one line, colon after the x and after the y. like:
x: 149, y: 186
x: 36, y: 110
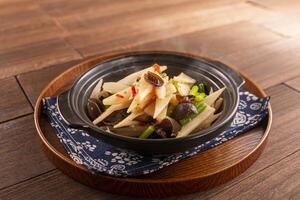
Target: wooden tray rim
x: 93, y: 61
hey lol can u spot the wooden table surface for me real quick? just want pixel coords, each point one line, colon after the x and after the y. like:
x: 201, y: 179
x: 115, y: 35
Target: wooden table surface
x: 40, y: 39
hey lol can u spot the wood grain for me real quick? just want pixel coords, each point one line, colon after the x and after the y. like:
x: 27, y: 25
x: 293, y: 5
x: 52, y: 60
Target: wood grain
x: 294, y: 83
x: 160, y: 24
x: 217, y: 42
x: 269, y: 64
x: 284, y: 176
x: 13, y: 102
x: 259, y: 37
x: 42, y: 77
x: 21, y: 155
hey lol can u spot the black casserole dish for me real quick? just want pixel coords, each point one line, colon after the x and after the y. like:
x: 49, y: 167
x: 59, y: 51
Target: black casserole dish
x: 72, y: 103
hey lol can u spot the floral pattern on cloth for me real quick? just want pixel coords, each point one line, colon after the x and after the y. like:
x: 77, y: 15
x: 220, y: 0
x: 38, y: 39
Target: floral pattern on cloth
x: 98, y: 156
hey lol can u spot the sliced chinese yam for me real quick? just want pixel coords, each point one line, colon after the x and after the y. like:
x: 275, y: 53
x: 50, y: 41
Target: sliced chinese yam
x: 161, y: 92
x: 162, y: 115
x: 183, y: 78
x: 149, y: 110
x: 161, y: 104
x: 133, y: 104
x: 110, y: 110
x: 207, y: 123
x: 196, y: 122
x: 218, y: 103
x: 119, y: 97
x: 144, y: 89
x: 97, y: 89
x: 211, y: 90
x: 114, y: 87
x: 210, y: 99
x: 170, y: 88
x: 128, y: 121
x: 183, y: 89
x: 130, y: 79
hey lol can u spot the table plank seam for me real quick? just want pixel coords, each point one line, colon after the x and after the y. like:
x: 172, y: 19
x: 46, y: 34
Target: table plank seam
x: 25, y: 180
x: 15, y: 118
x: 292, y: 88
x: 257, y: 5
x: 24, y: 93
x: 256, y: 172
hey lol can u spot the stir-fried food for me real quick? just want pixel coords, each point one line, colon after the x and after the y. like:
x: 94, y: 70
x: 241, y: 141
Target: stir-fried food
x: 150, y: 104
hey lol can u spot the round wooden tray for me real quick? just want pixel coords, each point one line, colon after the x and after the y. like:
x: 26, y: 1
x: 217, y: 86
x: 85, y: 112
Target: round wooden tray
x: 200, y: 172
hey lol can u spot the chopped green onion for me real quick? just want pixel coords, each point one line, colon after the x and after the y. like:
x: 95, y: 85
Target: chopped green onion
x: 201, y: 88
x: 147, y: 132
x: 185, y: 120
x: 200, y: 96
x: 194, y: 90
x: 201, y: 107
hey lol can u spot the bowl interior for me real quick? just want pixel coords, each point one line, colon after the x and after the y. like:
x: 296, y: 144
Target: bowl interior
x: 115, y: 69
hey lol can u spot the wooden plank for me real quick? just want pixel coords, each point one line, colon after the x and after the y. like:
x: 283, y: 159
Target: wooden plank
x: 280, y: 181
x: 42, y: 77
x: 153, y: 25
x: 278, y: 5
x: 280, y: 145
x: 96, y: 15
x: 285, y: 24
x: 269, y: 64
x: 21, y: 155
x: 217, y: 42
x: 35, y: 56
x: 294, y: 83
x: 13, y: 103
x: 53, y: 185
x: 30, y: 39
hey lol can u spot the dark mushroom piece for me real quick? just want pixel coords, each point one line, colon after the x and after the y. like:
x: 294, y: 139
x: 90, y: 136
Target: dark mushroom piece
x: 93, y: 108
x: 154, y: 79
x: 182, y: 110
x: 167, y: 128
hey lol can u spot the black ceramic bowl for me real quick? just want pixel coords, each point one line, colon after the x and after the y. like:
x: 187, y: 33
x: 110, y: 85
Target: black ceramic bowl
x: 72, y: 103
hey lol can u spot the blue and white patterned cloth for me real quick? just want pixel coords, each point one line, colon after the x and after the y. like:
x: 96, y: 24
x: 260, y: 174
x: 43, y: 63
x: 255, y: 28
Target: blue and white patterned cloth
x: 98, y: 156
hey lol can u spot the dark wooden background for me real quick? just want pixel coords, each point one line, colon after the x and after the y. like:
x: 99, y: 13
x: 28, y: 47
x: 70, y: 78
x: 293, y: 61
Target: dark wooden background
x: 41, y: 38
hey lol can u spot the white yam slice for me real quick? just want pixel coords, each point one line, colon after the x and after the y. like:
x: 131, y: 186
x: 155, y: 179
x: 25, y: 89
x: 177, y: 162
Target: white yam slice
x: 162, y: 115
x: 119, y: 97
x: 171, y: 89
x: 128, y: 121
x: 196, y: 122
x: 130, y: 79
x: 144, y: 89
x: 161, y: 92
x: 207, y: 123
x: 183, y: 78
x: 149, y: 110
x: 110, y: 110
x: 97, y: 89
x: 114, y: 87
x: 218, y: 103
x: 183, y: 89
x: 160, y: 104
x: 210, y: 99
